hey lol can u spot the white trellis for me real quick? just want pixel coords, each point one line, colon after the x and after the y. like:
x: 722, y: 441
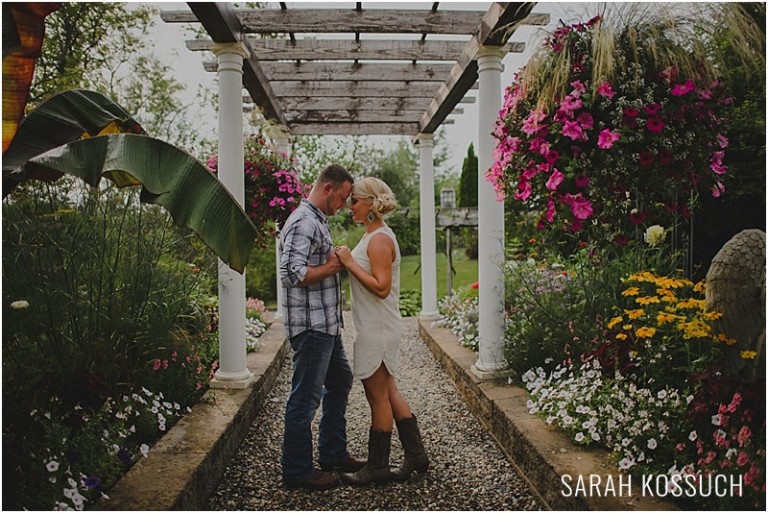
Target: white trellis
x: 364, y: 86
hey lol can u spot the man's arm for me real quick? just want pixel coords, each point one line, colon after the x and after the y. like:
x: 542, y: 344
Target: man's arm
x: 294, y: 271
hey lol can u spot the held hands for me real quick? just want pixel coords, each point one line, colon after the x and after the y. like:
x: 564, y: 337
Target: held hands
x: 344, y: 255
x: 333, y: 264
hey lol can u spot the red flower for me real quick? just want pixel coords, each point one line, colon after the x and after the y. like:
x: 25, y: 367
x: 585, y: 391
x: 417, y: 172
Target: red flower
x: 645, y: 159
x: 476, y: 285
x: 655, y: 125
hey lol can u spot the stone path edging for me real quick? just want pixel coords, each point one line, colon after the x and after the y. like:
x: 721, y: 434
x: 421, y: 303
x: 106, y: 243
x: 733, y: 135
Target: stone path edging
x: 540, y: 452
x: 184, y: 467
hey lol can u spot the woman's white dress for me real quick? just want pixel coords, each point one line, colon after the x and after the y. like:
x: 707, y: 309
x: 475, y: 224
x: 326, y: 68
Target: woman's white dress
x: 378, y: 322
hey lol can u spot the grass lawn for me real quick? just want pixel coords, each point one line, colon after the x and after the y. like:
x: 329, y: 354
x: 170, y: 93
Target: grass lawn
x: 466, y: 272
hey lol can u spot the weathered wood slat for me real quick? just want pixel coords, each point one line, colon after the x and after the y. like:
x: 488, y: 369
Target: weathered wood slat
x: 347, y: 102
x: 352, y: 115
x: 410, y: 129
x: 347, y: 49
x: 367, y: 21
x: 315, y: 71
x: 356, y: 89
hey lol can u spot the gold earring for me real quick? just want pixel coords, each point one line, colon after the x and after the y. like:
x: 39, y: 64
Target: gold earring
x: 371, y: 217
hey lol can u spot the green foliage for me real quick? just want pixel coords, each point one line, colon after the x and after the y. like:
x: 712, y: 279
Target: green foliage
x: 399, y: 169
x: 410, y: 302
x: 100, y: 298
x: 467, y: 196
x: 104, y: 47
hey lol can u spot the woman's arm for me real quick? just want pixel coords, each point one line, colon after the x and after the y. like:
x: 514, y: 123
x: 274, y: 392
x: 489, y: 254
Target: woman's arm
x: 381, y: 253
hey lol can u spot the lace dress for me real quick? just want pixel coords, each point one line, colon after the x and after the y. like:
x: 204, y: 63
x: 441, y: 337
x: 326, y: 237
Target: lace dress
x: 378, y: 322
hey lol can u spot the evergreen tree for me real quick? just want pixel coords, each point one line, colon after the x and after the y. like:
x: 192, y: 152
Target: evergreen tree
x: 467, y: 196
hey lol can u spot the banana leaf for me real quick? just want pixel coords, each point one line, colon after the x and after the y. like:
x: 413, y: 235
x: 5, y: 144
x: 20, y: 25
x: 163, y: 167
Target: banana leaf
x: 62, y: 118
x: 168, y: 176
x: 23, y: 30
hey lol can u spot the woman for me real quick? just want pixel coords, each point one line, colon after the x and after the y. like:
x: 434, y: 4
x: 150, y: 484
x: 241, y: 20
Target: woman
x: 374, y: 269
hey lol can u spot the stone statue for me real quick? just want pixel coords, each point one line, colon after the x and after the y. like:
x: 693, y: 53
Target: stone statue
x: 736, y: 287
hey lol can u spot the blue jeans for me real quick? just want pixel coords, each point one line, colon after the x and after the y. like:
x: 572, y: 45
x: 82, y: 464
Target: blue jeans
x: 320, y: 371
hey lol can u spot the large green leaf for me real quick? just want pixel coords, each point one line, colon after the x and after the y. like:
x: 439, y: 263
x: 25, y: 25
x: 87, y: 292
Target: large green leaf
x: 169, y: 177
x: 62, y: 118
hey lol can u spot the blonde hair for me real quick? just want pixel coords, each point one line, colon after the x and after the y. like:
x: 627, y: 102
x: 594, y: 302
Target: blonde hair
x: 378, y: 193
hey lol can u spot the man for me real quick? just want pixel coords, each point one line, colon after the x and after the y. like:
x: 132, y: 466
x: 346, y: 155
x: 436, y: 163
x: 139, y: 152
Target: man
x: 311, y: 305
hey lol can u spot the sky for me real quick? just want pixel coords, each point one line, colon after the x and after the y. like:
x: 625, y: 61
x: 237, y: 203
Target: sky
x: 188, y: 69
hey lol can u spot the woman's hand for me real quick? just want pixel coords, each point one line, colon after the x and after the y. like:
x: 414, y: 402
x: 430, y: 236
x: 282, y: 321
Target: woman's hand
x: 345, y: 255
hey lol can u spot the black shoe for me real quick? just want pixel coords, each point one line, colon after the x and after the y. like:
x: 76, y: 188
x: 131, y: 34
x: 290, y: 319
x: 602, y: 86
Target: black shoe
x: 319, y: 481
x: 347, y: 465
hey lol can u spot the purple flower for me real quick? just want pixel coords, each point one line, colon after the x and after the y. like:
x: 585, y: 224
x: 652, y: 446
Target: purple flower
x: 92, y: 482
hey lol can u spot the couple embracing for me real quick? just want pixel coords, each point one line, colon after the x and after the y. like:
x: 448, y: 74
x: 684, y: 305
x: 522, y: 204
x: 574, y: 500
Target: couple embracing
x: 309, y: 272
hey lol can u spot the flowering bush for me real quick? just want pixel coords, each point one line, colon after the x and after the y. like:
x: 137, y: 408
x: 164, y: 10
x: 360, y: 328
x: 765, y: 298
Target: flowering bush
x: 272, y: 186
x: 459, y: 312
x: 78, y: 453
x: 598, y: 128
x: 663, y: 330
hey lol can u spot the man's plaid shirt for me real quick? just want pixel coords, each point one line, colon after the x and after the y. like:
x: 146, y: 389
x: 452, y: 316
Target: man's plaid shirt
x: 306, y: 241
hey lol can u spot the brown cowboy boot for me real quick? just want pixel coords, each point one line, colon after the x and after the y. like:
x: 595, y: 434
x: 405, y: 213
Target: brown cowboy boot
x: 377, y: 469
x: 415, y: 456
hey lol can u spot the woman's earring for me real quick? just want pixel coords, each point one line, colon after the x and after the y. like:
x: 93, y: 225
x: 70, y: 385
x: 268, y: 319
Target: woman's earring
x: 371, y: 217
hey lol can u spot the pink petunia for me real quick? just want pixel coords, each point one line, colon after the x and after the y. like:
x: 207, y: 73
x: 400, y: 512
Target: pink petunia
x: 586, y: 120
x: 581, y: 181
x: 531, y: 125
x: 573, y: 130
x: 718, y: 189
x: 571, y: 103
x: 555, y: 179
x: 581, y: 208
x: 550, y: 215
x: 524, y: 191
x: 578, y: 88
x: 652, y: 109
x: 606, y: 139
x: 605, y: 90
x: 722, y: 141
x: 655, y: 124
x: 683, y: 89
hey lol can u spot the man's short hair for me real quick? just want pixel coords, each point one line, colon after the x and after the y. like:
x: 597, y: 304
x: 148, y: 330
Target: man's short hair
x: 336, y: 175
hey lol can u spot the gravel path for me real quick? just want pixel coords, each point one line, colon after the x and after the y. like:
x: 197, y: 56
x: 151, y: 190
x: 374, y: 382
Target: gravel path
x: 468, y: 471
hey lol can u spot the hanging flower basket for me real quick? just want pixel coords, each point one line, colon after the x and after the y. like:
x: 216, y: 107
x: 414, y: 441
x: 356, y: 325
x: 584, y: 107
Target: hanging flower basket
x: 272, y: 186
x: 604, y: 130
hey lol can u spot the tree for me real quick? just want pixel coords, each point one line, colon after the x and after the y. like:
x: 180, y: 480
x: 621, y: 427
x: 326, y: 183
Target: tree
x: 104, y: 47
x: 467, y: 196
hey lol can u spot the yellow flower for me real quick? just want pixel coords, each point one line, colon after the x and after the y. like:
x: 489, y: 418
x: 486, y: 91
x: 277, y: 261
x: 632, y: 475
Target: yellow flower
x: 700, y: 287
x: 645, y: 332
x: 631, y: 291
x: 694, y: 329
x: 647, y: 300
x: 613, y: 322
x: 749, y: 355
x: 635, y: 314
x: 711, y: 315
x: 665, y: 292
x: 621, y: 336
x: 692, y: 303
x: 722, y: 337
x: 627, y: 327
x: 664, y: 318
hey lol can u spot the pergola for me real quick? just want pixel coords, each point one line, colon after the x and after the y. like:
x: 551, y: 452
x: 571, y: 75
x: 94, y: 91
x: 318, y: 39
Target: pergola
x: 347, y: 70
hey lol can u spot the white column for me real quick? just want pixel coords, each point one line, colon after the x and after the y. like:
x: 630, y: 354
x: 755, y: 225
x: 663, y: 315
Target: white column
x: 491, y: 362
x: 232, y: 372
x: 427, y: 216
x: 283, y: 146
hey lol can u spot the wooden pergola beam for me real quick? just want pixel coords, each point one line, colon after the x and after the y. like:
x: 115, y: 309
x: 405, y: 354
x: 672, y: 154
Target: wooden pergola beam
x: 323, y: 71
x: 348, y: 49
x: 353, y: 89
x: 350, y: 103
x: 222, y: 24
x: 497, y: 24
x: 350, y: 21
